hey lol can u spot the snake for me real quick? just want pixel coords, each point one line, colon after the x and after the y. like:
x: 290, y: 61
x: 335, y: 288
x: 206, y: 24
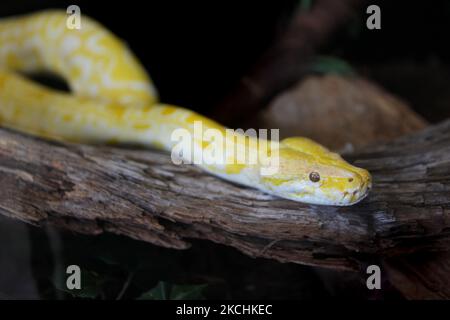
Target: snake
x: 113, y: 100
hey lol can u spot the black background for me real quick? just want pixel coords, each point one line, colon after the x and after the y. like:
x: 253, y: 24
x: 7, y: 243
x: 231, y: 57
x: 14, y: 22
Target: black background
x: 197, y: 50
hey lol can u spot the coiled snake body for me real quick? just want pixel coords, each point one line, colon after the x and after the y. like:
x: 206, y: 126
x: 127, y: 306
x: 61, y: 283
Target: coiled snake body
x: 113, y: 101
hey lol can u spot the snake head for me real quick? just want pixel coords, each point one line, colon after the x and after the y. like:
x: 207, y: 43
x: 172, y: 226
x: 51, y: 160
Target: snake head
x: 308, y: 172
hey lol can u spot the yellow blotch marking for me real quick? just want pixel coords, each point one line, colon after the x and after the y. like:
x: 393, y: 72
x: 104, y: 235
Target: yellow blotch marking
x: 291, y: 154
x: 118, y: 110
x: 147, y: 108
x: 340, y: 184
x: 275, y: 181
x: 168, y: 110
x: 17, y: 113
x: 205, y: 144
x: 76, y: 72
x: 113, y: 141
x: 142, y: 126
x: 13, y: 61
x: 3, y: 79
x: 158, y: 145
x: 234, y: 168
x: 67, y: 118
x: 306, y: 145
x: 207, y: 123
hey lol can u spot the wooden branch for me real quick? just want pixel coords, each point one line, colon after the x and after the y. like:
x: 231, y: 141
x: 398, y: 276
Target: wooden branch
x: 141, y: 194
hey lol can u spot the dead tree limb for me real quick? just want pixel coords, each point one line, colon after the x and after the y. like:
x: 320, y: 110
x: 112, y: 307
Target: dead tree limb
x: 141, y: 194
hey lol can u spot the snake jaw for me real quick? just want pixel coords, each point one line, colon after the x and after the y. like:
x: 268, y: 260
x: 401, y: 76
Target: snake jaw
x: 340, y: 187
x: 359, y: 193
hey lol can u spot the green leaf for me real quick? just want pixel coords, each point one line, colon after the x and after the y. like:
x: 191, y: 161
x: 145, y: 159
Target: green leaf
x: 109, y: 260
x: 165, y: 291
x: 187, y: 292
x: 305, y: 5
x: 160, y: 292
x: 328, y: 64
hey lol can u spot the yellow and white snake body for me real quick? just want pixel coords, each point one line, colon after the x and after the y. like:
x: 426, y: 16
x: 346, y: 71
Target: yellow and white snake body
x: 113, y: 100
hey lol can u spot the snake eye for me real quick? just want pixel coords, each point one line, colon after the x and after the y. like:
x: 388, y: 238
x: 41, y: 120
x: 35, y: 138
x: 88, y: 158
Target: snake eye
x: 314, y: 176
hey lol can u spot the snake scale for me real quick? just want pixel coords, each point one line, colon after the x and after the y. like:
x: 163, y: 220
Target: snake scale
x: 113, y: 100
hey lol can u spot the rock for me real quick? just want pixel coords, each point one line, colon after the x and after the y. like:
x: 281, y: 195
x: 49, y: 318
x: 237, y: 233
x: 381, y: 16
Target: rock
x: 340, y: 112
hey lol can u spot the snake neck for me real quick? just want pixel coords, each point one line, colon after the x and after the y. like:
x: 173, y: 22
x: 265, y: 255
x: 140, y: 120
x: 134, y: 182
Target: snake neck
x: 199, y: 140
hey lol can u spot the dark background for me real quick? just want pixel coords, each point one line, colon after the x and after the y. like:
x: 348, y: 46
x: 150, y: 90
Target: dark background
x: 195, y: 53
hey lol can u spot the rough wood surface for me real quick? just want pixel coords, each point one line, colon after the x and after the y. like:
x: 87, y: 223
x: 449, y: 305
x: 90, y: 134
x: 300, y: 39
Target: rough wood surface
x: 141, y: 194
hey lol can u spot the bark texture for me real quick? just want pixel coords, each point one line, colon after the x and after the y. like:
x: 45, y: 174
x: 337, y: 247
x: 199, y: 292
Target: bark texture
x: 141, y: 194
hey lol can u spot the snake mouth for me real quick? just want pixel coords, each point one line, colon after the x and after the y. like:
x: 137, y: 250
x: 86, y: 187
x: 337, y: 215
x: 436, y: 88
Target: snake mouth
x: 357, y: 195
x: 330, y: 197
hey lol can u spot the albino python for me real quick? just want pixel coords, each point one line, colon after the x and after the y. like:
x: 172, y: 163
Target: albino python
x: 113, y: 100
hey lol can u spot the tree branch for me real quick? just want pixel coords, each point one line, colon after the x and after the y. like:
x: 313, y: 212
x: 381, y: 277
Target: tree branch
x: 141, y: 194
